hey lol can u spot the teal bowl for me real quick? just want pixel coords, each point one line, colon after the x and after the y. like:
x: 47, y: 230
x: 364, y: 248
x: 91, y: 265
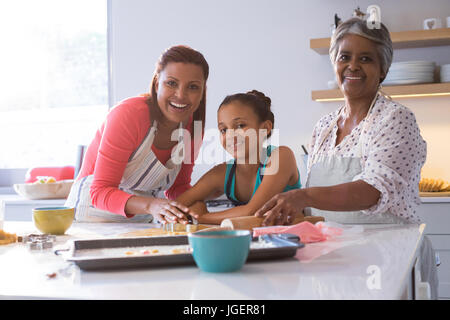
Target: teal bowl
x: 220, y: 251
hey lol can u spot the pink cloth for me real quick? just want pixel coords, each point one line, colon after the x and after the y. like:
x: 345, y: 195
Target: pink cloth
x: 307, y: 231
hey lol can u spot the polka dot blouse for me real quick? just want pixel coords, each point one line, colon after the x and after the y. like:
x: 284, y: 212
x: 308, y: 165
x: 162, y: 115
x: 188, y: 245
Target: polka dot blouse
x: 393, y: 153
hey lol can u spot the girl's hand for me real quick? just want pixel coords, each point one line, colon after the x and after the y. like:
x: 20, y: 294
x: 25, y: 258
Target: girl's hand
x: 282, y: 208
x: 168, y: 211
x: 198, y: 209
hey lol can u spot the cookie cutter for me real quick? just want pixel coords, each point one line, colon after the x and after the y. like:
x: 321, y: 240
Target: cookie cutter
x: 180, y: 227
x: 39, y: 241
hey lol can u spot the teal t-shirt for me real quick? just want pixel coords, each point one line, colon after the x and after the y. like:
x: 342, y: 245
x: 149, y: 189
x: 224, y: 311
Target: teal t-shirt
x: 230, y: 178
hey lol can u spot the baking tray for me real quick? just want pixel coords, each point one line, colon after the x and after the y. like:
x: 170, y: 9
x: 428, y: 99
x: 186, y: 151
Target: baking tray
x: 282, y: 246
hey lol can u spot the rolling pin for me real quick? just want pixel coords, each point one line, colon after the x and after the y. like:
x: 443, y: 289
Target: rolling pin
x: 250, y: 222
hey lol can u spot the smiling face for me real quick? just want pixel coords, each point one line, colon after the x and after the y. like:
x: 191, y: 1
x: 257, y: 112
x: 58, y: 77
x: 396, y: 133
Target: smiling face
x: 239, y: 128
x: 357, y: 67
x: 179, y: 89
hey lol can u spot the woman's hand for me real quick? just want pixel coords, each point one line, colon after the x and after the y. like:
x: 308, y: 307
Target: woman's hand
x: 197, y: 210
x: 282, y: 208
x: 168, y: 211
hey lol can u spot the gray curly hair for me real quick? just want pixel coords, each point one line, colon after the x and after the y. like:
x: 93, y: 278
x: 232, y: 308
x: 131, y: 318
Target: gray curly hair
x: 359, y: 27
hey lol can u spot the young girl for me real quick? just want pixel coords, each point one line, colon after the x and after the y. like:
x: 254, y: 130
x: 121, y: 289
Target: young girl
x: 254, y: 175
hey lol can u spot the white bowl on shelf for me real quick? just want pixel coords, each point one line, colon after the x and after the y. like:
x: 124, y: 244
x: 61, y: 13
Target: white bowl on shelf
x: 38, y: 191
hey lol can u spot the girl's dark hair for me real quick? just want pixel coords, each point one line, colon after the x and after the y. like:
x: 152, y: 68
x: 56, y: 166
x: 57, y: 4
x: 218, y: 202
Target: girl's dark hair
x: 182, y: 54
x: 257, y: 100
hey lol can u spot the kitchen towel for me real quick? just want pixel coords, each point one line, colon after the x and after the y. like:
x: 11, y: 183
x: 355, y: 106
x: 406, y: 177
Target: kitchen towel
x: 307, y: 231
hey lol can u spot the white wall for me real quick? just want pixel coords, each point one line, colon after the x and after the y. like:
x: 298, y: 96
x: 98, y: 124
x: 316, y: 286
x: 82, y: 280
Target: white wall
x: 264, y: 45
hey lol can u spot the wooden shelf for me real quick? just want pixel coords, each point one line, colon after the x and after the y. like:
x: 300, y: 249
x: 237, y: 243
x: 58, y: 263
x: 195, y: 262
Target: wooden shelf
x: 400, y: 40
x: 405, y: 91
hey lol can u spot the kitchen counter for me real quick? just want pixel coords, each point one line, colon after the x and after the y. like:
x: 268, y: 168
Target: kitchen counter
x: 376, y: 263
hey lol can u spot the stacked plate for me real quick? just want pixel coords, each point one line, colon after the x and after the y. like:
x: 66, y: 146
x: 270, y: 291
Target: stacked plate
x: 445, y: 73
x: 410, y: 72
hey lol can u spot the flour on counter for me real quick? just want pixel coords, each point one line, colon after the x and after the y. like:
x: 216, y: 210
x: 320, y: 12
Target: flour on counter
x: 132, y: 251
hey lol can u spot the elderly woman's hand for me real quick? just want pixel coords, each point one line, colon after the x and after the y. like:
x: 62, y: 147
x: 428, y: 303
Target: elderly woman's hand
x: 283, y: 207
x: 198, y: 209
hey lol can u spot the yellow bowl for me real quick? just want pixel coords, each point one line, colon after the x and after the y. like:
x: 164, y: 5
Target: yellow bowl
x: 53, y: 220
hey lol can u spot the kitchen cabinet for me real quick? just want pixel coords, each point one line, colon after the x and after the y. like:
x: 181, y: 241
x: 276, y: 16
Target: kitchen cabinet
x: 16, y: 208
x: 435, y: 213
x: 400, y: 40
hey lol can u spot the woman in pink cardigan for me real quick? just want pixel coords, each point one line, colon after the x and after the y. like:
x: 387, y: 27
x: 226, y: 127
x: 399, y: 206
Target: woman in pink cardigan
x: 139, y: 150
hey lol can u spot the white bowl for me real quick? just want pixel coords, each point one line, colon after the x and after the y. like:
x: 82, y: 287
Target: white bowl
x: 36, y: 191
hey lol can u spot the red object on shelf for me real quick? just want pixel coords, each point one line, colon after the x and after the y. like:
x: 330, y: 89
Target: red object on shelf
x: 59, y: 173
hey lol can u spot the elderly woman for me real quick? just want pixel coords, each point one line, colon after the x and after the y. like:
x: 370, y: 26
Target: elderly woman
x: 367, y: 155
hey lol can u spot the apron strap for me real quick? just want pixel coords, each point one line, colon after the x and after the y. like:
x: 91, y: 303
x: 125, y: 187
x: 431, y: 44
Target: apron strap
x: 229, y: 184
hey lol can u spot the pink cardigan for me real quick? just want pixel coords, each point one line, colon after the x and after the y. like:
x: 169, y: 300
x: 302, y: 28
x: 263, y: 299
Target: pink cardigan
x: 124, y: 129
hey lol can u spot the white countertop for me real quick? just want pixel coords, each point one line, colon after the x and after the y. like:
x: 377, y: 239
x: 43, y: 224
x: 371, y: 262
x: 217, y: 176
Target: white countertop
x: 333, y: 269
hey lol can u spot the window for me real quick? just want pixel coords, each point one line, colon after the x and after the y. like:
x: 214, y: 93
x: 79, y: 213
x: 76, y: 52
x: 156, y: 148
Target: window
x: 53, y: 79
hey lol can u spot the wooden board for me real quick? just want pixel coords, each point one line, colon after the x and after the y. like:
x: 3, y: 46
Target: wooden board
x: 401, y: 91
x: 400, y: 40
x: 157, y: 232
x: 435, y: 194
x: 149, y: 232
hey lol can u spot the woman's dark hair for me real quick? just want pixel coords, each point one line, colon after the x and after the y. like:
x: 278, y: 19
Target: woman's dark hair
x: 182, y: 54
x: 256, y: 100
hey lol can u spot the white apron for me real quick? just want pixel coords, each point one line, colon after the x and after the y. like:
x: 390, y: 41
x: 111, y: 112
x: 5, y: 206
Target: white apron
x: 331, y: 170
x: 144, y: 175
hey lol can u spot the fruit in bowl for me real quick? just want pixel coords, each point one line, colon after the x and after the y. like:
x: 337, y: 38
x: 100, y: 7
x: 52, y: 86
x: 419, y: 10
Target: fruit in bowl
x: 45, y: 179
